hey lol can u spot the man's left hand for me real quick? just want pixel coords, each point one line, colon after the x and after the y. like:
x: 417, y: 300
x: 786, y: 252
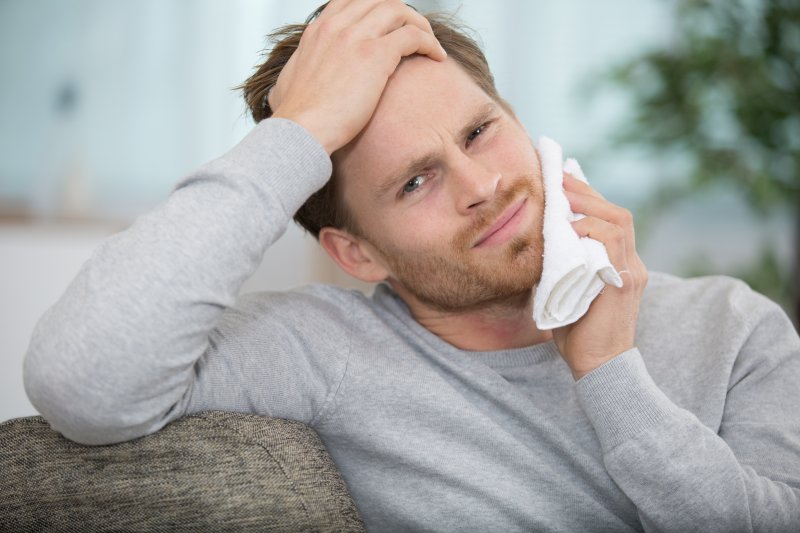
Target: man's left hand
x: 609, y: 327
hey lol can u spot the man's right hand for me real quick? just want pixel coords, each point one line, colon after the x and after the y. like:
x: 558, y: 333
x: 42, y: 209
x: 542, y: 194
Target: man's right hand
x: 333, y: 82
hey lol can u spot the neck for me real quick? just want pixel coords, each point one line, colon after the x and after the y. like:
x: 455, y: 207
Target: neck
x: 498, y: 326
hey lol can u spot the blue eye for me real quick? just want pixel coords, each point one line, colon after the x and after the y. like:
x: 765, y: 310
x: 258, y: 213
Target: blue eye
x: 413, y: 184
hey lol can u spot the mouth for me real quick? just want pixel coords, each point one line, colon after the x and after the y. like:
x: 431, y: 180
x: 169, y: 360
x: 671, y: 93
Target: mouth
x: 504, y: 227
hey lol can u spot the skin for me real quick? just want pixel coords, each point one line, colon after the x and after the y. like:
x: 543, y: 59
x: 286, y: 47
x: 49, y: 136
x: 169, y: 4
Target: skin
x: 423, y: 228
x: 420, y: 231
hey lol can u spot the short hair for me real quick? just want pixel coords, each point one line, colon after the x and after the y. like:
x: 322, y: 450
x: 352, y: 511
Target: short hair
x: 326, y: 207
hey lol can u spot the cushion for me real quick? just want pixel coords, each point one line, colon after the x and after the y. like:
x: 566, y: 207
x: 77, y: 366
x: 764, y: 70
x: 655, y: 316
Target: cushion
x: 212, y: 471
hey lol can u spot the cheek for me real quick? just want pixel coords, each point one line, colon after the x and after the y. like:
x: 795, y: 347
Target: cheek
x: 517, y: 156
x: 513, y: 141
x: 422, y: 228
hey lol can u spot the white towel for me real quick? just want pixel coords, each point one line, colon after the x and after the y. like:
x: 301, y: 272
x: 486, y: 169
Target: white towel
x: 575, y: 269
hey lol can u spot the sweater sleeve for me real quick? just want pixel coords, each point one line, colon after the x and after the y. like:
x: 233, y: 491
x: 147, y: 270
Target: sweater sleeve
x: 116, y: 357
x: 682, y: 475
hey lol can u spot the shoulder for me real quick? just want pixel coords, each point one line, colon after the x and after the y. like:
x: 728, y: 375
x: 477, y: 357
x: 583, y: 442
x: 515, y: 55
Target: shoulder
x: 705, y: 309
x: 698, y: 334
x: 704, y: 300
x: 660, y: 284
x: 315, y: 298
x: 314, y: 310
x: 316, y: 301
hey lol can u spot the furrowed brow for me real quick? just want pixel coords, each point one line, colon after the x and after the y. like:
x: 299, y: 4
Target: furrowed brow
x: 419, y: 164
x: 414, y: 167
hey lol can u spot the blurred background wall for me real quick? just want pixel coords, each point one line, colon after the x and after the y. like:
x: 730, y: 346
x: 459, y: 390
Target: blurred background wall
x: 105, y: 104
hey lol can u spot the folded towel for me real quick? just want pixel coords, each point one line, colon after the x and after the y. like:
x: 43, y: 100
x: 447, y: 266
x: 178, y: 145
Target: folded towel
x: 575, y: 269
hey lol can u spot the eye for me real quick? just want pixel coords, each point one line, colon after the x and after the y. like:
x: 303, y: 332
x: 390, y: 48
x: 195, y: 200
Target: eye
x: 413, y: 184
x: 476, y: 132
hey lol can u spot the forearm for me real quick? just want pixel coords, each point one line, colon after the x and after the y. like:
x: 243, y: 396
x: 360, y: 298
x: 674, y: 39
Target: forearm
x: 114, y: 358
x: 679, y: 473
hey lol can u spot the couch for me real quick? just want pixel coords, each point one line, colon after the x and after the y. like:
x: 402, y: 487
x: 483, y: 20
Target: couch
x: 212, y: 471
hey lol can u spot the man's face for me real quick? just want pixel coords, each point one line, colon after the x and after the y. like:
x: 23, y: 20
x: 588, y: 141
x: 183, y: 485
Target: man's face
x: 446, y: 187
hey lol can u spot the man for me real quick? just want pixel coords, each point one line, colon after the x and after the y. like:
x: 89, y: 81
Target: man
x: 440, y: 401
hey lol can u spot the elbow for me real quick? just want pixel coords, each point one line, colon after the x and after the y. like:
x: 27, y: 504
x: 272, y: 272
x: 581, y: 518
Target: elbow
x: 88, y: 419
x: 92, y: 394
x: 54, y: 374
x: 76, y: 416
x: 79, y: 405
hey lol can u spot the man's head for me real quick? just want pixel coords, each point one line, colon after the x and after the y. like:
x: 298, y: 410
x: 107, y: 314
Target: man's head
x: 442, y: 162
x: 325, y: 207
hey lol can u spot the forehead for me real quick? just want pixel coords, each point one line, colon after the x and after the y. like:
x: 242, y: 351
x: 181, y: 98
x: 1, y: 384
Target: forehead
x: 424, y: 104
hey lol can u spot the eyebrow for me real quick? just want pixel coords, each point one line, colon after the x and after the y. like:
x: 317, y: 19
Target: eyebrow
x: 419, y: 164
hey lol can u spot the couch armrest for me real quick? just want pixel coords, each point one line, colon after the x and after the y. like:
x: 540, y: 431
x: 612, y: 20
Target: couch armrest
x: 212, y: 471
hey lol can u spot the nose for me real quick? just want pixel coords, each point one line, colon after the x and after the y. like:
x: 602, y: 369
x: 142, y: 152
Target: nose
x: 474, y: 183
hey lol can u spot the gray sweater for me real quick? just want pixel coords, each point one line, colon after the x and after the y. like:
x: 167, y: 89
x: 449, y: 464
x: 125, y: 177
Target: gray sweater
x: 697, y: 429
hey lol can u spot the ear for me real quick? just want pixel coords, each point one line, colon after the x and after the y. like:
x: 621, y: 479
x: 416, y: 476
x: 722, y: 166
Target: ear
x: 353, y: 254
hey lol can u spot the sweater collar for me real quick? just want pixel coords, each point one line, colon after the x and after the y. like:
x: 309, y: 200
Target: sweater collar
x: 388, y: 299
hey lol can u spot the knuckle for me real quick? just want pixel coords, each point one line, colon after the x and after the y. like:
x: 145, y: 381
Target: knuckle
x: 642, y: 268
x: 410, y: 34
x: 427, y: 28
x: 322, y: 28
x: 394, y: 8
x: 348, y: 34
x: 400, y: 5
x: 421, y: 20
x: 414, y: 30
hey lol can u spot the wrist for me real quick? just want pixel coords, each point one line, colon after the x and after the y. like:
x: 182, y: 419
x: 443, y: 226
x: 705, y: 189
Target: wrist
x: 622, y: 400
x: 325, y: 136
x: 584, y: 367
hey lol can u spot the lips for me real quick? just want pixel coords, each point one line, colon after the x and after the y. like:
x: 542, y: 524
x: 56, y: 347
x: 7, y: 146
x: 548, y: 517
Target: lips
x: 507, y: 216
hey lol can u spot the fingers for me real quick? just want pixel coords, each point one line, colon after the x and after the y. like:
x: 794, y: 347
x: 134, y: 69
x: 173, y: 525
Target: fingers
x: 410, y: 40
x: 573, y: 184
x: 620, y: 248
x: 390, y: 15
x: 352, y: 9
x: 611, y: 235
x: 406, y: 30
x: 609, y: 328
x: 585, y: 200
x: 378, y: 19
x: 610, y: 224
x: 348, y: 54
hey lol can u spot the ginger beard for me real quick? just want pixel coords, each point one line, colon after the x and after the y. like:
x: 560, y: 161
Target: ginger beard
x: 456, y: 277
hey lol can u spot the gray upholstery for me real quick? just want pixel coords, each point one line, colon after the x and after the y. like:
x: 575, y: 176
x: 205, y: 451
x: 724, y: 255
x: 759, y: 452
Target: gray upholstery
x: 213, y: 471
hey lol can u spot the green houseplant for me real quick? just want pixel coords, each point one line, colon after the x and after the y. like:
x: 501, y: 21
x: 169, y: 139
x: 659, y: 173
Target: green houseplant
x: 726, y: 94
